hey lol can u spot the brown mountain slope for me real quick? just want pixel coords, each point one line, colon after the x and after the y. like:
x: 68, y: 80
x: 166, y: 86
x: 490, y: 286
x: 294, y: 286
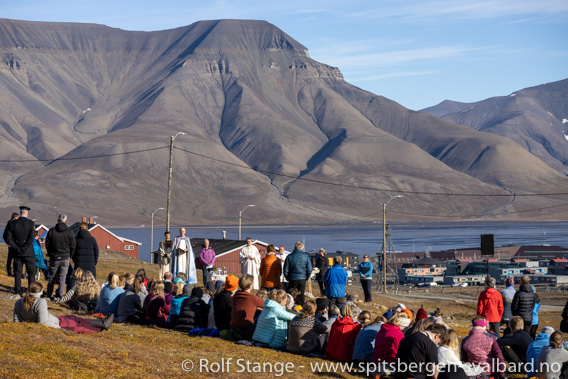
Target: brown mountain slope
x: 533, y: 117
x: 258, y: 113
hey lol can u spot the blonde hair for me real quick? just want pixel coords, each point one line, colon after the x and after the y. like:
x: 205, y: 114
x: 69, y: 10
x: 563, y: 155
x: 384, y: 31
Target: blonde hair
x: 179, y: 288
x: 346, y: 311
x: 452, y: 342
x: 78, y: 273
x: 516, y: 324
x: 395, y: 319
x: 114, y: 281
x: 379, y: 320
x: 83, y: 226
x: 88, y: 288
x: 157, y: 288
x: 277, y: 295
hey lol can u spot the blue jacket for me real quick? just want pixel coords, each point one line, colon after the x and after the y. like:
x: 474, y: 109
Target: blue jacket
x: 335, y: 281
x: 297, y: 266
x: 39, y: 259
x: 535, y: 313
x: 366, y: 274
x: 109, y: 300
x: 365, y: 343
x: 272, y: 324
x: 176, y: 305
x: 533, y: 351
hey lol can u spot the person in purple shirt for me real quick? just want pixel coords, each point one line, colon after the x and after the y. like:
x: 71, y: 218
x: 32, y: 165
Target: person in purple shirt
x: 207, y: 258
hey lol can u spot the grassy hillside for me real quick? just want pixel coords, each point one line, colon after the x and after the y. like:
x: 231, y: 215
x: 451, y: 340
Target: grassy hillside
x: 32, y: 350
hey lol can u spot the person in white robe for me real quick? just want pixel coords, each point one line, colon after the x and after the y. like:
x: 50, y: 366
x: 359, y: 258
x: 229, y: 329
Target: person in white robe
x: 183, y: 259
x: 249, y: 258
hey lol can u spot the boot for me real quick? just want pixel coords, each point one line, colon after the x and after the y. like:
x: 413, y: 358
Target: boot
x: 103, y: 324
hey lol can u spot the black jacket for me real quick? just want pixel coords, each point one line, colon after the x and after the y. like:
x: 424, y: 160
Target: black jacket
x: 523, y: 303
x: 20, y: 236
x: 223, y: 306
x: 60, y: 242
x: 86, y: 251
x: 322, y: 263
x: 193, y: 314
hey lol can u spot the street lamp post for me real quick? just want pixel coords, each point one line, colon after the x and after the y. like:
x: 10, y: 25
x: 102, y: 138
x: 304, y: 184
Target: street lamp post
x: 385, y: 241
x: 241, y: 216
x: 170, y: 178
x: 152, y: 232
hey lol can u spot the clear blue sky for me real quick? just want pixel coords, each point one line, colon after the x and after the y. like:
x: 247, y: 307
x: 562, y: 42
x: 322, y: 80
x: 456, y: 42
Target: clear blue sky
x: 416, y: 52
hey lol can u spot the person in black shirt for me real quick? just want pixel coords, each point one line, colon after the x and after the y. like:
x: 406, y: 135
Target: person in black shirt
x: 322, y: 264
x: 417, y: 355
x: 20, y: 237
x: 10, y: 263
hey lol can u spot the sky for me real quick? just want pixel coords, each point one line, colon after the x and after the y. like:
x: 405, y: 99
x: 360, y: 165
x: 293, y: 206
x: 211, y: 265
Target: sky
x: 415, y: 52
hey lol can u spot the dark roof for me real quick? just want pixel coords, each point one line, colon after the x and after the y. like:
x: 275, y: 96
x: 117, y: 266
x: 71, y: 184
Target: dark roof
x: 220, y: 246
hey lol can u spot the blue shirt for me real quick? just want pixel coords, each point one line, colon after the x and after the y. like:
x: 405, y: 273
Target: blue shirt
x: 366, y: 274
x: 365, y: 343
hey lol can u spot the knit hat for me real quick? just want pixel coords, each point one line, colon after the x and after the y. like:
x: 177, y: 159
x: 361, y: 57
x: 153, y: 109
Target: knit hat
x: 408, y: 313
x: 404, y: 322
x: 421, y: 314
x: 547, y: 330
x: 231, y: 283
x: 210, y: 286
x: 401, y: 306
x: 388, y: 315
x: 481, y: 323
x: 187, y: 289
x: 322, y: 303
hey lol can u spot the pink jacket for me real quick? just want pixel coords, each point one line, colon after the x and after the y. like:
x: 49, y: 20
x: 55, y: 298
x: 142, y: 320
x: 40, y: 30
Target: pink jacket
x: 481, y: 347
x: 386, y: 343
x: 207, y: 256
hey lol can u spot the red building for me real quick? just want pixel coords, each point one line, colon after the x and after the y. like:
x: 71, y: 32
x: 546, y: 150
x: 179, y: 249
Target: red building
x: 107, y: 240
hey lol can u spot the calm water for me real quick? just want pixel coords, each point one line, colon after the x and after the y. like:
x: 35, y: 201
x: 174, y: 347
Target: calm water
x: 360, y: 239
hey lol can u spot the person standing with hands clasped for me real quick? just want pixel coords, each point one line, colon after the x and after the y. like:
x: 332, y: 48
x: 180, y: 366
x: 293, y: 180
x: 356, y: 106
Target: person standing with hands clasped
x: 366, y: 277
x: 20, y: 237
x: 249, y: 258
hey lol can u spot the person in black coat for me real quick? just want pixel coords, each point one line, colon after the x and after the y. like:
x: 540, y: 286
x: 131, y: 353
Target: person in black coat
x: 10, y: 263
x: 193, y: 313
x: 523, y: 302
x: 322, y: 264
x: 86, y: 251
x: 20, y: 237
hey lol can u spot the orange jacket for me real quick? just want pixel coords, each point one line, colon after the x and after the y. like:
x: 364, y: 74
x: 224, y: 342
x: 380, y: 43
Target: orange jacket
x: 270, y: 271
x: 490, y: 305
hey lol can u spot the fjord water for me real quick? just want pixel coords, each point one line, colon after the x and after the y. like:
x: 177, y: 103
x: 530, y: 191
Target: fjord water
x: 367, y: 238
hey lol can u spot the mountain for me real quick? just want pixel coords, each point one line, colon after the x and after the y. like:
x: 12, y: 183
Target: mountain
x: 87, y: 111
x: 536, y: 118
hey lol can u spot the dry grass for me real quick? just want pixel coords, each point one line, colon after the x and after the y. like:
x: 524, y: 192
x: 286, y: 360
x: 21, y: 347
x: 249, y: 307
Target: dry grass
x: 33, y: 350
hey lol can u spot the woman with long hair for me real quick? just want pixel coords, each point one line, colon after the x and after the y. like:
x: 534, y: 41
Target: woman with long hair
x: 449, y: 353
x: 304, y: 331
x: 130, y: 304
x: 32, y: 308
x: 155, y: 308
x: 110, y: 296
x: 75, y: 278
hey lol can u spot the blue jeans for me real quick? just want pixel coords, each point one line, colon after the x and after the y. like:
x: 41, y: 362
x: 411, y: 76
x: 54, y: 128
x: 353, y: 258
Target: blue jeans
x: 206, y: 272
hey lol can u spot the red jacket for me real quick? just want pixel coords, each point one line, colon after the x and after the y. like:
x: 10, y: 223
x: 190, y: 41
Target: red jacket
x: 490, y: 305
x: 342, y: 339
x: 386, y: 343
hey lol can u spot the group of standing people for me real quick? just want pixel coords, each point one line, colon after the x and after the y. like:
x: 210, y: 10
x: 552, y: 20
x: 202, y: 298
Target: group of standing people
x: 61, y: 244
x: 177, y: 256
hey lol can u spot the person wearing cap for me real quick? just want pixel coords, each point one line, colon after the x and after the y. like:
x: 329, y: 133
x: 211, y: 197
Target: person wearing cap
x: 490, y: 305
x: 223, y: 303
x: 507, y: 294
x: 480, y: 347
x: 542, y: 340
x: 20, y: 237
x: 10, y: 263
x: 366, y: 277
x: 322, y: 264
x: 60, y: 244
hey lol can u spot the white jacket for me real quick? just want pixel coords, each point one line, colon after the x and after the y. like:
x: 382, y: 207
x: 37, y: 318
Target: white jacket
x: 446, y: 356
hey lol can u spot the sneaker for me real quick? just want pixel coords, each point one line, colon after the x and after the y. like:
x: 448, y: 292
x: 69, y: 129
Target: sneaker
x: 108, y: 321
